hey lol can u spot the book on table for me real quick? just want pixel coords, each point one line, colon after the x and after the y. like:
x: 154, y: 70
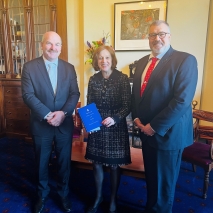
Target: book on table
x: 90, y: 117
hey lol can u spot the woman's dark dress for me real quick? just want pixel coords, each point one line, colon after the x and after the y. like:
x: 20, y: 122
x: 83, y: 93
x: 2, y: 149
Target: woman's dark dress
x: 112, y: 96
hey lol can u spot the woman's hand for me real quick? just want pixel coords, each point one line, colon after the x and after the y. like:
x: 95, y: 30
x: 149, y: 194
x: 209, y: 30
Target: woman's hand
x: 108, y: 122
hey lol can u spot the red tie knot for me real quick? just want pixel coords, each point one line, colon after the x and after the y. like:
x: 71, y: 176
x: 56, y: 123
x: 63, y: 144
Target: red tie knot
x: 154, y: 59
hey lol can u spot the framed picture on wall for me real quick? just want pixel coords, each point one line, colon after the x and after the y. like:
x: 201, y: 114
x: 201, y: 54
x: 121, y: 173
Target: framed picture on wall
x: 131, y: 23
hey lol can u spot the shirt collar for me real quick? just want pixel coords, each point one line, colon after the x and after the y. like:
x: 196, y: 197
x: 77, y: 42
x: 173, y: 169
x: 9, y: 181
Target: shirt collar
x: 160, y: 55
x: 49, y: 62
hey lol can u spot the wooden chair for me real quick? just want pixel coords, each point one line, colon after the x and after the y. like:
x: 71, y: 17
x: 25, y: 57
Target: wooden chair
x: 199, y: 153
x: 77, y: 123
x: 136, y: 141
x: 132, y: 70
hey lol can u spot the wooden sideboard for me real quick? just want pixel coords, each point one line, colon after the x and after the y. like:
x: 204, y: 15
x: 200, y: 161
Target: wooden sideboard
x: 14, y: 113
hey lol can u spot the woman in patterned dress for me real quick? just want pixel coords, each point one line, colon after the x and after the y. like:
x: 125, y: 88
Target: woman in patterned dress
x: 110, y: 90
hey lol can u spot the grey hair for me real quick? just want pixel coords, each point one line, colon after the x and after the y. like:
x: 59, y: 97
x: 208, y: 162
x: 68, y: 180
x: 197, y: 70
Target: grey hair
x: 159, y: 22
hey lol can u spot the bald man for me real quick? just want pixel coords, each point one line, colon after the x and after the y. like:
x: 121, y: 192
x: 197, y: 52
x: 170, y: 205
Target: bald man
x: 50, y: 90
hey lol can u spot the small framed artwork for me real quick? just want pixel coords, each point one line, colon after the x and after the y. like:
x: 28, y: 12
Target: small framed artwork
x: 132, y: 21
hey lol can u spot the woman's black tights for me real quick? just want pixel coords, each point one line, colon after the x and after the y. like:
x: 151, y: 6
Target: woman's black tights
x: 114, y: 179
x: 99, y: 176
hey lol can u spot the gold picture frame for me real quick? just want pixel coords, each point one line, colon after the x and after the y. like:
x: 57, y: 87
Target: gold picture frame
x: 131, y: 23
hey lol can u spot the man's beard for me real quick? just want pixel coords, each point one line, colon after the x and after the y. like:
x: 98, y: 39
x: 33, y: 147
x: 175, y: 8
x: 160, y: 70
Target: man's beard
x: 158, y: 50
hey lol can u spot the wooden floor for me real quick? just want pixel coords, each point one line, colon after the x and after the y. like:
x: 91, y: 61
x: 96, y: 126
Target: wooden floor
x: 135, y: 169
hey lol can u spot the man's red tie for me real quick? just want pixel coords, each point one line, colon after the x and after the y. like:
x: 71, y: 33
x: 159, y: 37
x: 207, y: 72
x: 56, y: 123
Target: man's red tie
x: 148, y: 73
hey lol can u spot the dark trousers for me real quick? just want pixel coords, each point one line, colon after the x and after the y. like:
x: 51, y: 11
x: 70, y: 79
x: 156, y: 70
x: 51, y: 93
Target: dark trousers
x: 43, y: 150
x: 161, y: 170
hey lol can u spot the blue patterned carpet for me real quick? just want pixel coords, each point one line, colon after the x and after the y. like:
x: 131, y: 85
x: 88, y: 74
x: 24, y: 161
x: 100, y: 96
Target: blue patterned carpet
x: 17, y: 190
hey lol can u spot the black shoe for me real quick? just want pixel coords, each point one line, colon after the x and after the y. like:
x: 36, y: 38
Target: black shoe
x: 66, y: 204
x: 39, y: 206
x: 93, y: 209
x: 115, y: 211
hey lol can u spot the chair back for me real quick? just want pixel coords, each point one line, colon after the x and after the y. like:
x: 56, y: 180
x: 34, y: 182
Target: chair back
x: 76, y: 116
x: 203, y: 132
x: 132, y: 68
x: 77, y: 123
x: 203, y: 115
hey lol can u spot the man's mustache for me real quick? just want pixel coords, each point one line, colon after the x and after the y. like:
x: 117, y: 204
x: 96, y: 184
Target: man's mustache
x: 54, y: 51
x: 157, y: 42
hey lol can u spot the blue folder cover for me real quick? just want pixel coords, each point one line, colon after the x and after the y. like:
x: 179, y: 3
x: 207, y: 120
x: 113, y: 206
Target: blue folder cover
x: 90, y: 117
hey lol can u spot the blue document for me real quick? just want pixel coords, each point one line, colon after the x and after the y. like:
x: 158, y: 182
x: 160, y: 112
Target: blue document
x: 90, y: 117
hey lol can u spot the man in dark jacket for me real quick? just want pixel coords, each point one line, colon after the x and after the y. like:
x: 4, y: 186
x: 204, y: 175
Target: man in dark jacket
x: 161, y: 100
x: 50, y: 90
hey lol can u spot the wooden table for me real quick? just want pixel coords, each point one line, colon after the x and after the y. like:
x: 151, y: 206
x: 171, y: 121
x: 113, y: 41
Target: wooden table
x: 135, y: 169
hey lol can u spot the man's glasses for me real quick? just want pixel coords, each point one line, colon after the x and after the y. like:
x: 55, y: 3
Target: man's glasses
x: 160, y: 35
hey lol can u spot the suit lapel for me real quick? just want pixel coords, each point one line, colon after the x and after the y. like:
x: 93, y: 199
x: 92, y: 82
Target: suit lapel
x: 61, y: 77
x: 43, y: 72
x: 165, y: 59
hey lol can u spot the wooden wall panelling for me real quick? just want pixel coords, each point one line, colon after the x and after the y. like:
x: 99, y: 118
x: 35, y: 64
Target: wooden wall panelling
x: 8, y: 62
x: 29, y: 30
x: 53, y: 15
x: 61, y: 26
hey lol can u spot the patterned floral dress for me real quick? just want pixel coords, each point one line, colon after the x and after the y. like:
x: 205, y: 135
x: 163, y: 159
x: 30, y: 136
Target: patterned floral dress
x: 112, y: 96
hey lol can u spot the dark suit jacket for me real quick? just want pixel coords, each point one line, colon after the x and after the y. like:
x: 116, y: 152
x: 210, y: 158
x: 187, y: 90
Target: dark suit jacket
x: 38, y: 95
x: 166, y: 101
